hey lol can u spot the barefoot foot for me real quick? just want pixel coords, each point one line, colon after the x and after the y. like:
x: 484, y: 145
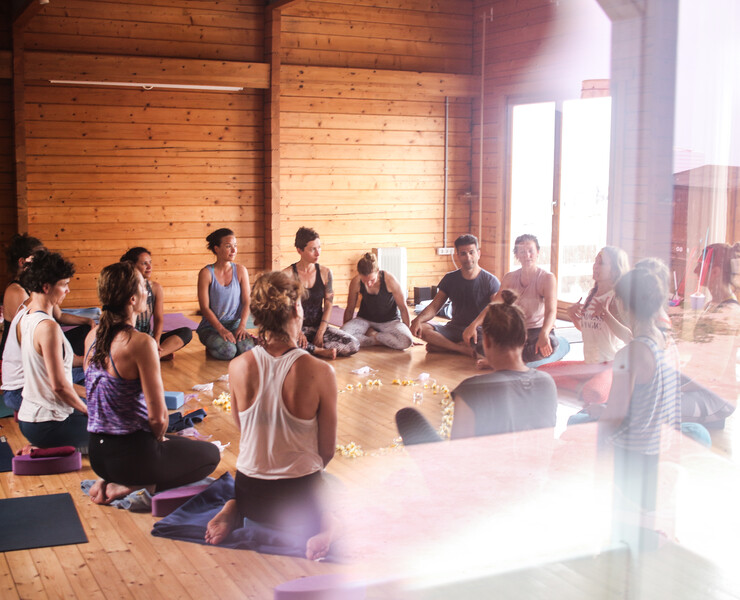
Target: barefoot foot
x: 103, y: 492
x: 330, y: 353
x: 318, y: 546
x: 220, y: 526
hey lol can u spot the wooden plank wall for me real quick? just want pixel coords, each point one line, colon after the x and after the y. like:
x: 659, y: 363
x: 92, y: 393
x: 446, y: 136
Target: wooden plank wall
x: 112, y: 168
x: 7, y: 160
x: 535, y: 50
x: 364, y: 165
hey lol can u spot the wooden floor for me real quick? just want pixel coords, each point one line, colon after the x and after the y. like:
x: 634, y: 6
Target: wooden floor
x: 123, y: 560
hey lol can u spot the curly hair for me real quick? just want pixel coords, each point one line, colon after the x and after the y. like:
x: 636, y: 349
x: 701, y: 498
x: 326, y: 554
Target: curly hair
x: 214, y: 238
x: 504, y: 323
x: 274, y: 298
x: 116, y: 285
x: 45, y: 267
x: 21, y: 246
x: 133, y: 254
x: 368, y: 264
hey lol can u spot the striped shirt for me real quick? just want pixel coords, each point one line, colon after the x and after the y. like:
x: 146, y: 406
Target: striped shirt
x: 653, y: 405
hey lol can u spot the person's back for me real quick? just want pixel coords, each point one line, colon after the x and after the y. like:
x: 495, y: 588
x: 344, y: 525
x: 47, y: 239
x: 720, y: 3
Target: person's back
x: 510, y: 401
x: 279, y: 428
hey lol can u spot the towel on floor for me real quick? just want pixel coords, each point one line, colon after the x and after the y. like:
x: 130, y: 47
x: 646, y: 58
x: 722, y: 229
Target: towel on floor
x: 138, y: 501
x: 178, y: 421
x: 188, y: 523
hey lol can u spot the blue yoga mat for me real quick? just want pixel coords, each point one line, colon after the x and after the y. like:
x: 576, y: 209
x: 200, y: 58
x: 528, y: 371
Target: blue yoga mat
x: 39, y: 522
x: 188, y: 523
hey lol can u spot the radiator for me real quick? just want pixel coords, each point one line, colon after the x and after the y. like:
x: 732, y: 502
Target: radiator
x: 393, y: 260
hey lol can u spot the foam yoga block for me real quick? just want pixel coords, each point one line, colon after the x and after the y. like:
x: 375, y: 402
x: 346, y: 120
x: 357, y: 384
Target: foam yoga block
x: 26, y: 465
x: 166, y: 502
x: 174, y: 400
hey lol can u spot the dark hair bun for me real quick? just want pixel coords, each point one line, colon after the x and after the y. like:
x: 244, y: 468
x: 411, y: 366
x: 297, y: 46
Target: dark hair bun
x: 509, y: 297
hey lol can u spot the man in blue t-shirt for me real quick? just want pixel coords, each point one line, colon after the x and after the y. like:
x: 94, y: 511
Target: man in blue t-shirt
x: 470, y: 289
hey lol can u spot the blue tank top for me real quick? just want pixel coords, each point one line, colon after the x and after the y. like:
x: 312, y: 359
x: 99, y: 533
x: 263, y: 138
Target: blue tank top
x: 380, y: 307
x: 224, y: 300
x: 115, y: 406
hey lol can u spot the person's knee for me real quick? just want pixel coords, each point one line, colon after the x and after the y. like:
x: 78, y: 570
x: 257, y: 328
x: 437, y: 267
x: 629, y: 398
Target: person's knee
x: 186, y: 335
x: 222, y: 351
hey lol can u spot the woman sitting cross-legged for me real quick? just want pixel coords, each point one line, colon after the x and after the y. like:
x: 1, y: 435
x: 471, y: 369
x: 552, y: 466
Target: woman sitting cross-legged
x: 512, y: 398
x: 127, y: 412
x: 383, y: 317
x: 51, y: 412
x: 604, y: 333
x: 285, y: 404
x: 223, y: 296
x: 151, y: 321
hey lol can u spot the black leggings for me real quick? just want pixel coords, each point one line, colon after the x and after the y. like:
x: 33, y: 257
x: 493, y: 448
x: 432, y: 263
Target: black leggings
x: 184, y: 333
x: 284, y: 503
x: 76, y: 338
x: 530, y: 354
x: 138, y: 459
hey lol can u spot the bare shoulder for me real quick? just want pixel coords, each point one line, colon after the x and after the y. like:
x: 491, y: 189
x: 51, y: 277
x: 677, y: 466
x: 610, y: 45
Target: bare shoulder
x: 140, y: 341
x: 507, y: 279
x: 156, y: 289
x: 204, y: 274
x: 308, y: 365
x: 240, y: 367
x: 241, y: 270
x: 547, y: 281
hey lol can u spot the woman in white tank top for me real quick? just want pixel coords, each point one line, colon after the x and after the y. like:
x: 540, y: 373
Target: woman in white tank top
x: 603, y: 333
x: 51, y: 413
x: 285, y: 404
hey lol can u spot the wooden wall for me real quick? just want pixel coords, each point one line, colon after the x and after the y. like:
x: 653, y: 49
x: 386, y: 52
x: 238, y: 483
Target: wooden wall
x: 535, y: 50
x: 112, y: 168
x: 362, y: 152
x: 359, y: 135
x: 7, y: 160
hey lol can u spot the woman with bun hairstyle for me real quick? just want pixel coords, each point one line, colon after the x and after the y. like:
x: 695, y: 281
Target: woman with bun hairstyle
x: 600, y: 323
x: 51, y: 413
x: 285, y: 405
x: 151, y: 321
x: 512, y: 398
x: 127, y: 412
x: 383, y: 317
x: 223, y: 296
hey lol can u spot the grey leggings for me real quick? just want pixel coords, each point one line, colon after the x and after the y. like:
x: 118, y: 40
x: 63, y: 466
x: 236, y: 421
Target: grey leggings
x: 393, y: 334
x: 218, y: 347
x: 334, y: 338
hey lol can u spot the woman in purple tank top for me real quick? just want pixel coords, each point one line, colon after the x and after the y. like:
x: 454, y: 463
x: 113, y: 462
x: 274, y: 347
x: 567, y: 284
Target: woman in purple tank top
x: 127, y: 412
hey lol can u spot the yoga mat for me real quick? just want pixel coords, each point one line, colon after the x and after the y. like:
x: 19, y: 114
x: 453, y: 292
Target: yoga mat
x: 188, y: 523
x: 172, y: 321
x: 6, y: 456
x: 39, y: 522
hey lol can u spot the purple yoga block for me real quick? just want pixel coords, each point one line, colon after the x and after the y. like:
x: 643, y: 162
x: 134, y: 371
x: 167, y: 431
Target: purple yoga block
x: 174, y: 400
x: 166, y: 502
x: 49, y: 465
x: 320, y: 587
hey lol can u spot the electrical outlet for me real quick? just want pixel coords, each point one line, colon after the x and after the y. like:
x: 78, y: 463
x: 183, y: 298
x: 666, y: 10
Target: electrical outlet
x: 445, y: 251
